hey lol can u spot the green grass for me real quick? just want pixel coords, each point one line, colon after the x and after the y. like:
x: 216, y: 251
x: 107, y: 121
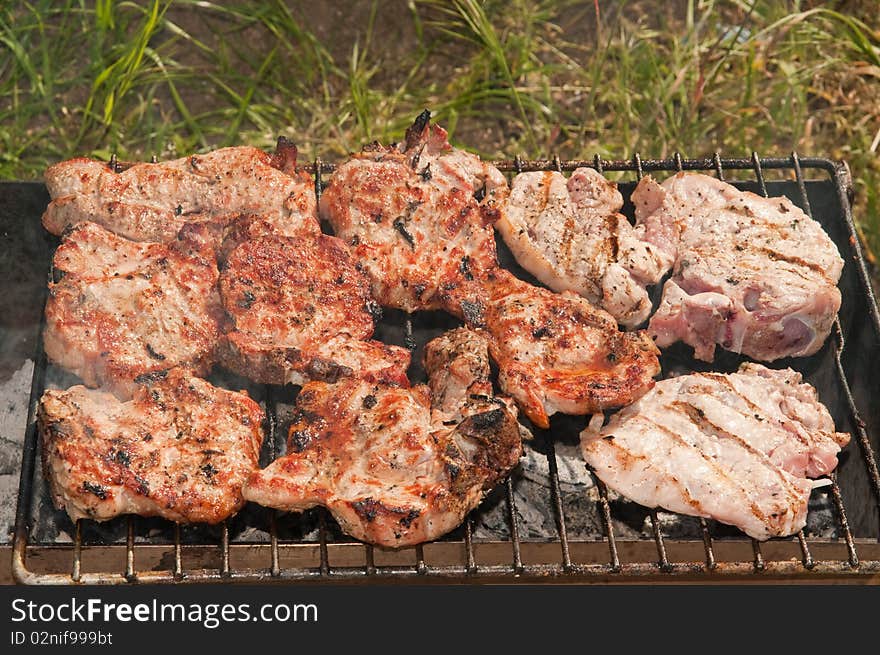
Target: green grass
x: 536, y: 78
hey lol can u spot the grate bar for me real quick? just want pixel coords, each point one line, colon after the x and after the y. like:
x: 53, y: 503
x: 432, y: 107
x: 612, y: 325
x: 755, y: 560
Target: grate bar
x: 76, y: 571
x: 663, y: 562
x: 272, y: 438
x: 130, y: 575
x: 224, y: 549
x: 421, y: 567
x: 514, y: 528
x: 805, y: 551
x: 469, y: 545
x: 711, y: 564
x: 558, y: 509
x: 178, y: 555
x: 759, y: 173
x: 370, y: 567
x: 758, y: 562
x: 322, y: 538
x: 605, y: 511
x: 844, y: 523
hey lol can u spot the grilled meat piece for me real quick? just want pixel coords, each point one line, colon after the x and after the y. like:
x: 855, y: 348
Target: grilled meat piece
x: 151, y: 202
x: 120, y: 311
x: 393, y: 467
x: 571, y: 235
x: 755, y: 275
x: 737, y: 448
x: 301, y: 311
x: 418, y: 217
x: 180, y: 449
x: 557, y: 352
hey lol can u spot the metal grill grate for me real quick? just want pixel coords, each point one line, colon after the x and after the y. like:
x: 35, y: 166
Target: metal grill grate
x: 464, y: 558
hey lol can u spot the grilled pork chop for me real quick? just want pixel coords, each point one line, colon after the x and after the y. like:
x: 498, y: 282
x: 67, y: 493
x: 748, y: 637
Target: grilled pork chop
x: 180, y: 449
x: 151, y: 202
x: 755, y: 275
x: 120, y: 312
x: 558, y: 353
x: 571, y: 235
x: 738, y: 448
x: 302, y: 311
x: 419, y: 216
x: 397, y: 466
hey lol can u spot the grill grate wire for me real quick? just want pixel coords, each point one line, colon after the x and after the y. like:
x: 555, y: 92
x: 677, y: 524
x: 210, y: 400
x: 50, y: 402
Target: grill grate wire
x: 565, y: 567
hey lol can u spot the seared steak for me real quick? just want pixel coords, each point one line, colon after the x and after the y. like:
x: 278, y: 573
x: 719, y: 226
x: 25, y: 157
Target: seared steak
x: 151, y: 202
x: 558, y: 353
x: 302, y: 311
x: 393, y: 467
x: 120, y: 311
x: 180, y: 449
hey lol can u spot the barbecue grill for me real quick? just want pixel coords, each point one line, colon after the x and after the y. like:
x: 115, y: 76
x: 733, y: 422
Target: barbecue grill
x: 502, y: 540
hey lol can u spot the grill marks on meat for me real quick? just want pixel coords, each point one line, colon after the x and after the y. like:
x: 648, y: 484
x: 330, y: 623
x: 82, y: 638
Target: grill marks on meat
x: 754, y: 275
x: 180, y: 449
x: 571, y: 235
x: 557, y: 352
x: 411, y: 216
x: 393, y: 467
x: 152, y: 202
x: 119, y: 311
x: 446, y: 259
x: 301, y: 311
x: 738, y: 448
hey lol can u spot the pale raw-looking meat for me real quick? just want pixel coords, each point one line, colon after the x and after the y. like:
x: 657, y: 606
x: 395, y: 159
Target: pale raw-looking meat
x: 121, y: 311
x: 755, y: 275
x: 302, y: 311
x: 418, y: 217
x: 152, y: 202
x: 571, y: 235
x: 180, y: 449
x: 558, y: 353
x: 739, y: 448
x: 397, y: 466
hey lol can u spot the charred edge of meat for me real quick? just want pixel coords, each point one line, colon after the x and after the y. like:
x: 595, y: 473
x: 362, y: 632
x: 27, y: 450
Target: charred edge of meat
x: 246, y: 300
x: 480, y: 193
x: 285, y: 155
x: 122, y: 458
x: 400, y: 226
x: 328, y: 371
x: 299, y: 440
x: 465, y: 268
x: 367, y: 508
x: 414, y: 162
x: 209, y: 470
x: 414, y: 131
x: 411, y: 516
x: 373, y: 146
x: 369, y: 401
x: 375, y: 309
x: 151, y: 376
x: 473, y: 313
x: 155, y: 355
x: 57, y: 275
x: 426, y: 173
x: 97, y: 489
